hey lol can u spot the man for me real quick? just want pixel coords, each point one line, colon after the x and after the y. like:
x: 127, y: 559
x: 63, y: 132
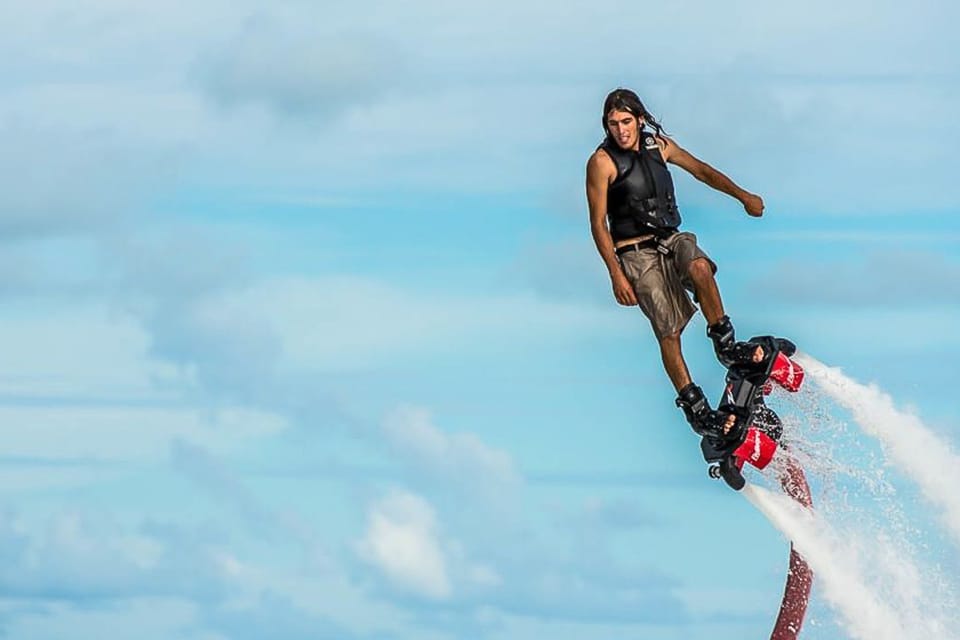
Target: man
x: 634, y: 220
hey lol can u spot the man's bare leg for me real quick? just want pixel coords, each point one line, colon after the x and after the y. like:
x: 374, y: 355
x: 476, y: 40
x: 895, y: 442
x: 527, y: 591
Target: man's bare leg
x: 673, y: 361
x: 708, y: 294
x: 676, y: 368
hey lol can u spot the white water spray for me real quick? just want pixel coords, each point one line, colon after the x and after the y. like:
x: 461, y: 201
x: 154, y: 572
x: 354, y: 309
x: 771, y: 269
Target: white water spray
x: 883, y: 574
x: 865, y: 616
x: 907, y: 441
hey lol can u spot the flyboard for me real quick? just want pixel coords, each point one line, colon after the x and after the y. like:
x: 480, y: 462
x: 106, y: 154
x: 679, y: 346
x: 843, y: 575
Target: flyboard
x: 755, y: 439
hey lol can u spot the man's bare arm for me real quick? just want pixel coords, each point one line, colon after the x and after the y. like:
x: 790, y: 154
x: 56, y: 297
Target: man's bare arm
x: 597, y: 181
x: 675, y: 154
x: 600, y: 171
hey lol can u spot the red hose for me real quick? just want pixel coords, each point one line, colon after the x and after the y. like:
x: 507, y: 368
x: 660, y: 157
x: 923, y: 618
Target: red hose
x: 799, y: 578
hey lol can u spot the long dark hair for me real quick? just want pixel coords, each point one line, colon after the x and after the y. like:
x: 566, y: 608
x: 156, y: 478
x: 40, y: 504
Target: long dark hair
x: 625, y: 100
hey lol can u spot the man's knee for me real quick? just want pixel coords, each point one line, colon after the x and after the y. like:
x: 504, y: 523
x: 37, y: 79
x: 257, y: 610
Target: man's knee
x: 700, y: 270
x: 670, y: 343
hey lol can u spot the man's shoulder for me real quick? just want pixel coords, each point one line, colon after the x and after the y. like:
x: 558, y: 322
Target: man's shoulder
x: 600, y: 152
x: 601, y: 161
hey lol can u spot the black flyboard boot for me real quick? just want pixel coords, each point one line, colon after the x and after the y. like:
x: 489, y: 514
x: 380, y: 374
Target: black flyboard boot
x: 716, y: 446
x: 738, y: 356
x: 697, y: 410
x: 709, y: 423
x: 729, y: 351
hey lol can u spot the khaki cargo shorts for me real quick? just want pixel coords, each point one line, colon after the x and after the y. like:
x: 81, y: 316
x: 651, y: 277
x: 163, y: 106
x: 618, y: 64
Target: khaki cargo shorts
x: 661, y: 282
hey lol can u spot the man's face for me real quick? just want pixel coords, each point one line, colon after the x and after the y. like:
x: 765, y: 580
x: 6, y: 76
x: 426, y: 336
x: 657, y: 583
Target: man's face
x: 624, y: 128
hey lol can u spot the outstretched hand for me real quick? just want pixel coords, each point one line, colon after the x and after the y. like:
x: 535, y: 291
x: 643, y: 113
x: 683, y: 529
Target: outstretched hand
x: 753, y: 205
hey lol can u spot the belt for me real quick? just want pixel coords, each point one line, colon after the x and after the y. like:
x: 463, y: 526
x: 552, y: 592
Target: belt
x: 650, y: 243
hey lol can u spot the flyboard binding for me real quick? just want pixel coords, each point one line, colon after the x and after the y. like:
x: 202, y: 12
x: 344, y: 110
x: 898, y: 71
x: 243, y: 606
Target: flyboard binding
x: 756, y: 433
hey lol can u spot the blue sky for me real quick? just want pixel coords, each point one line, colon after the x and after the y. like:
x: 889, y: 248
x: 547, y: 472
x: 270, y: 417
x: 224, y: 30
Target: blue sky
x: 305, y: 335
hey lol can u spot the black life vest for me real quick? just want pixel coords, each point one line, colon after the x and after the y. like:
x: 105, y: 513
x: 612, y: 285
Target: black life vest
x: 641, y: 200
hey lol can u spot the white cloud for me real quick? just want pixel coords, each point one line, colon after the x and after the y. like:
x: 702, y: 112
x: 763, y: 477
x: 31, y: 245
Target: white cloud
x: 456, y: 457
x: 146, y: 618
x: 403, y: 541
x: 777, y: 118
x: 484, y: 576
x: 69, y: 181
x: 76, y: 555
x: 229, y: 489
x: 346, y: 322
x: 274, y: 615
x: 127, y: 434
x: 86, y: 387
x: 251, y: 339
x: 892, y: 278
x: 79, y: 350
x: 300, y: 67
